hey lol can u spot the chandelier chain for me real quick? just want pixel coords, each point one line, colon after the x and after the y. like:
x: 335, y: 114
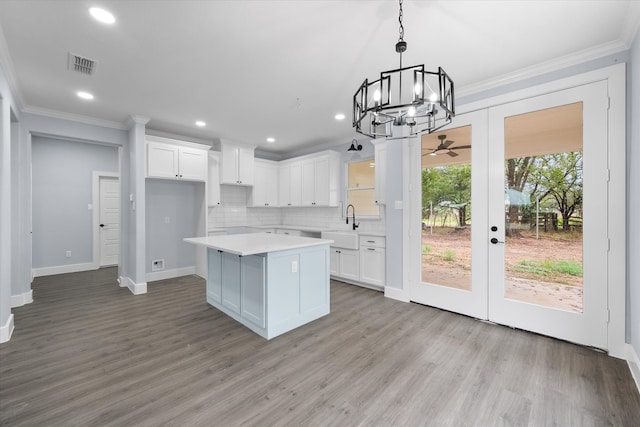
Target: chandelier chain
x: 401, y: 29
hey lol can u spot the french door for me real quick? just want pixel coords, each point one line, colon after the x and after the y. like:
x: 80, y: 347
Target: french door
x: 513, y: 215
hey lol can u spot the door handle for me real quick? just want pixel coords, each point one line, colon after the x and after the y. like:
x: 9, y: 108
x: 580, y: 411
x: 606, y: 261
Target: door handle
x: 495, y: 241
x: 101, y: 225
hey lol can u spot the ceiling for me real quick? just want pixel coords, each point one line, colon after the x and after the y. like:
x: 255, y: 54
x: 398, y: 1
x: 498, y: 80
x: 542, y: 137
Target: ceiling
x: 281, y: 69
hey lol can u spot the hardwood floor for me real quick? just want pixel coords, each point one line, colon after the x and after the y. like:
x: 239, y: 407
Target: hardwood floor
x: 87, y: 352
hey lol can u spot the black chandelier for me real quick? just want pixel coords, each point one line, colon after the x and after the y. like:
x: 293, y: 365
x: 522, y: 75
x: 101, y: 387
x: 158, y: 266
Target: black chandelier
x: 425, y: 106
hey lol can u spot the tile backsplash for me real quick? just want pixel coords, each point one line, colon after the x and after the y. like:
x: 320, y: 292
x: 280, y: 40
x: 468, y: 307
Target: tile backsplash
x: 233, y: 211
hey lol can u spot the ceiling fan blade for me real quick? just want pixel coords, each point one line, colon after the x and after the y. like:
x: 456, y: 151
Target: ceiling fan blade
x: 447, y: 143
x: 460, y: 147
x: 452, y: 153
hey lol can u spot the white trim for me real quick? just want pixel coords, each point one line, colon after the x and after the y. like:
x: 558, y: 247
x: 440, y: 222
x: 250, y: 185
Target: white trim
x: 95, y: 200
x: 589, y: 54
x: 61, y: 269
x: 6, y: 330
x: 79, y: 118
x: 634, y: 365
x: 170, y: 274
x: 397, y: 294
x: 22, y: 299
x: 135, y: 288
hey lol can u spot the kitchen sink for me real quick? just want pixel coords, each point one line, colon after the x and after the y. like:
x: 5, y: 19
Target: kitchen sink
x: 342, y: 239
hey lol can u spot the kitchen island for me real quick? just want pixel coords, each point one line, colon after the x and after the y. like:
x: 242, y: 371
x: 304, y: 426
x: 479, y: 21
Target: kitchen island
x: 270, y: 283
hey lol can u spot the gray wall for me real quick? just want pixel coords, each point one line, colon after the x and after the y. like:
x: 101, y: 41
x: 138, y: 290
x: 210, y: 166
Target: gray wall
x: 633, y: 200
x: 62, y: 190
x: 175, y: 200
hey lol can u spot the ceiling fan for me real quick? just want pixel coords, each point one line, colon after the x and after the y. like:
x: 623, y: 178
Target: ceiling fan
x: 445, y: 147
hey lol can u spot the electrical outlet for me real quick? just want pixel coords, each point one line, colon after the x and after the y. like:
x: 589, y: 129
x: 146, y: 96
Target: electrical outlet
x: 167, y: 220
x: 68, y: 254
x: 157, y: 265
x: 294, y: 266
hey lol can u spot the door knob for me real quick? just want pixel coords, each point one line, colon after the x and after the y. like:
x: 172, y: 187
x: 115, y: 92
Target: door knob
x: 101, y: 225
x: 495, y: 241
x: 494, y: 228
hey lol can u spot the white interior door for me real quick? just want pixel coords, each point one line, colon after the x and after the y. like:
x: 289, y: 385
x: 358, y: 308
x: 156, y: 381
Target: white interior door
x: 493, y: 242
x: 548, y: 236
x: 109, y: 217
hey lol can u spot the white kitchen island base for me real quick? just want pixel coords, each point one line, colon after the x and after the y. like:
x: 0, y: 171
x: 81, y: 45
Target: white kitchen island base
x: 273, y: 291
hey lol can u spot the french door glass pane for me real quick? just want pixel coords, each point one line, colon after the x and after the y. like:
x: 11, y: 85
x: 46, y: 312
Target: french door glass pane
x: 543, y: 207
x: 446, y: 208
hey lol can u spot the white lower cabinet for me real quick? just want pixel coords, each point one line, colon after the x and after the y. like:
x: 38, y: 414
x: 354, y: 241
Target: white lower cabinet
x: 363, y: 266
x: 344, y: 263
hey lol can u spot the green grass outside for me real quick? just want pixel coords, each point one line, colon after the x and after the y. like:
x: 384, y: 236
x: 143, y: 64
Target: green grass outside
x: 549, y: 267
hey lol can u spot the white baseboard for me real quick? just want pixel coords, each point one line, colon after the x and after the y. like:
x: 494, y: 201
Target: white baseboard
x: 6, y: 330
x: 22, y: 299
x: 634, y: 365
x: 170, y: 274
x: 397, y: 294
x: 61, y: 269
x: 135, y: 288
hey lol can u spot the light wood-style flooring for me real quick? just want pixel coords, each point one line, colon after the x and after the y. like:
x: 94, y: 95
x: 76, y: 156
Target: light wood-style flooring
x: 89, y: 353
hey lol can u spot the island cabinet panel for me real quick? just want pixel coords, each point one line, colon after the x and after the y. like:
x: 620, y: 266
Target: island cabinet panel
x: 214, y: 276
x: 284, y: 287
x: 313, y: 297
x: 252, y: 302
x: 231, y: 281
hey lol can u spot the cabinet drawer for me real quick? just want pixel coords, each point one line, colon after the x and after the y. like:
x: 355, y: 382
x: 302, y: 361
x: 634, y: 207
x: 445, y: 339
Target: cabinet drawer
x: 375, y: 241
x: 288, y: 232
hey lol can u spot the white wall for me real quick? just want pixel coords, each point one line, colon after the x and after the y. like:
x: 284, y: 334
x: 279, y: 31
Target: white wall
x: 633, y: 201
x: 62, y: 190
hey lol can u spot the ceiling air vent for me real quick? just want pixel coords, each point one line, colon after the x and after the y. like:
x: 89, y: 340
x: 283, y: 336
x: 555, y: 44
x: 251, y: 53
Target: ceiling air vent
x: 81, y: 64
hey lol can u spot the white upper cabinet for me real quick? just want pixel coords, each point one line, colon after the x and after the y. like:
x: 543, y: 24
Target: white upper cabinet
x: 213, y: 185
x: 319, y: 180
x: 265, y: 188
x: 284, y: 185
x: 173, y: 161
x: 237, y: 164
x: 381, y: 172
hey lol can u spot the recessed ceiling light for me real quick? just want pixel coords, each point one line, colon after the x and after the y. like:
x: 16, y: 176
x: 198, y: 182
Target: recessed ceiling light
x: 270, y: 140
x: 200, y: 123
x: 85, y: 95
x: 339, y: 116
x: 102, y: 15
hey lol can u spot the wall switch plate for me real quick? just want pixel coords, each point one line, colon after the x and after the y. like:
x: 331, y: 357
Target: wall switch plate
x: 294, y: 266
x: 90, y: 207
x: 167, y: 220
x: 398, y: 204
x: 68, y: 254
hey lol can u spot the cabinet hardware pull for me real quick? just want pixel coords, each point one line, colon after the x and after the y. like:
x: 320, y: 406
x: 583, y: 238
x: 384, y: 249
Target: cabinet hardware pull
x: 371, y: 249
x: 371, y: 241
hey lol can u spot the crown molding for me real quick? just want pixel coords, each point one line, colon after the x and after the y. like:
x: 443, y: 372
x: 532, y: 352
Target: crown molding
x: 73, y: 117
x: 6, y: 63
x: 136, y: 119
x: 566, y: 61
x: 632, y: 24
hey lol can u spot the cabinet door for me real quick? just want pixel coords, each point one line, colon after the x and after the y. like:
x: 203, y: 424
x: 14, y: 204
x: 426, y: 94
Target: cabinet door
x: 321, y: 181
x: 231, y: 282
x: 284, y: 185
x: 334, y: 261
x: 245, y: 166
x: 229, y: 165
x: 381, y: 173
x: 253, y: 289
x: 162, y: 160
x: 372, y: 265
x: 260, y: 188
x: 295, y: 172
x: 308, y: 194
x: 349, y: 264
x: 192, y: 164
x: 214, y: 276
x: 213, y: 184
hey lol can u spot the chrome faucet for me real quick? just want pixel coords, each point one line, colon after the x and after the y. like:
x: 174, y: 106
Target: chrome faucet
x: 353, y: 213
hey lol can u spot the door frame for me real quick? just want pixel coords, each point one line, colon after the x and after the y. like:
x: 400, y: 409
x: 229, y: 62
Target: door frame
x: 96, y: 213
x: 615, y: 76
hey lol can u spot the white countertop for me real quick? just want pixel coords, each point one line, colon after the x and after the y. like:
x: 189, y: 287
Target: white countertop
x: 256, y: 243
